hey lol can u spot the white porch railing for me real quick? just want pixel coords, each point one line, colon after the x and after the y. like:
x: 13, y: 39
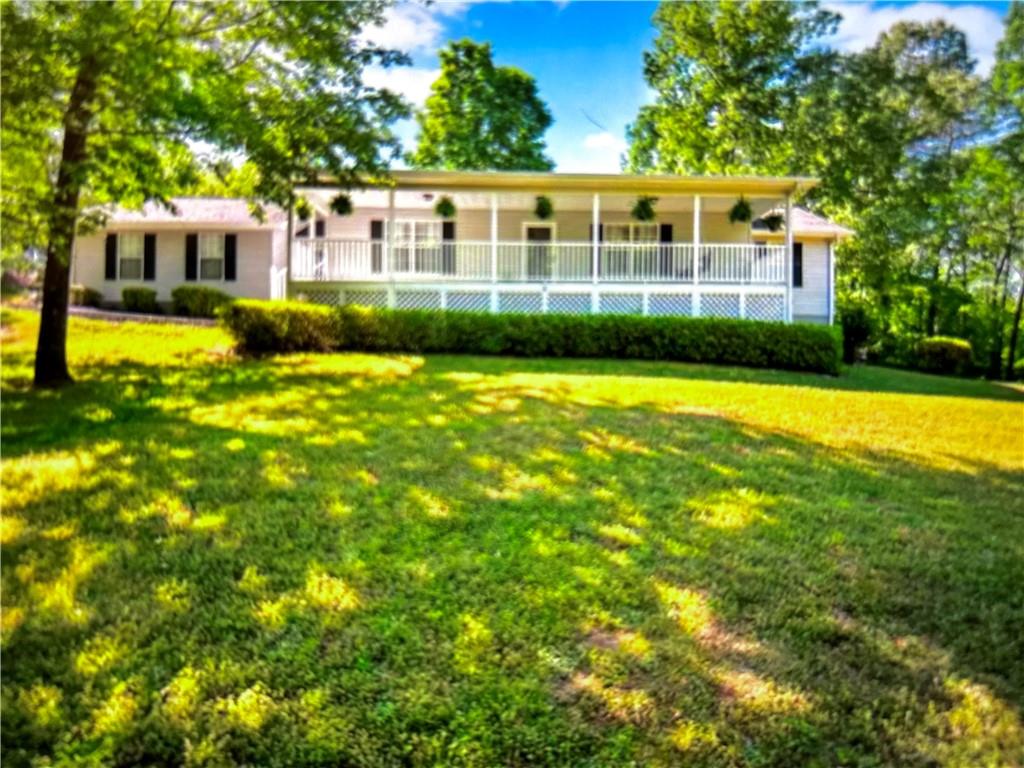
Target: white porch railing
x: 483, y: 261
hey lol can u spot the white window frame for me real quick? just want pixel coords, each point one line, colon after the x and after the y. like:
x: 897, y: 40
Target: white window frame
x: 207, y: 237
x: 121, y: 257
x: 632, y: 245
x: 412, y: 248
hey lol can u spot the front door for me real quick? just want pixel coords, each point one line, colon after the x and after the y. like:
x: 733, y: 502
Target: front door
x: 538, y: 251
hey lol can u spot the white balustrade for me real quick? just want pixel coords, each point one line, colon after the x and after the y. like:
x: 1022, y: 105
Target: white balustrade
x: 316, y: 259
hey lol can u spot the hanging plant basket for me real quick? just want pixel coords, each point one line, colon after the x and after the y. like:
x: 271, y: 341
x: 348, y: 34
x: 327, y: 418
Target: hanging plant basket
x: 445, y: 208
x: 773, y: 221
x: 543, y: 209
x: 643, y: 209
x: 741, y: 211
x: 303, y: 209
x: 341, y: 204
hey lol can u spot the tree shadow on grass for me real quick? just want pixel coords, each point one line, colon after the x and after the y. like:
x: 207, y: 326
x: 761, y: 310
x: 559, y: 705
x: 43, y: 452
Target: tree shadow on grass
x: 371, y: 561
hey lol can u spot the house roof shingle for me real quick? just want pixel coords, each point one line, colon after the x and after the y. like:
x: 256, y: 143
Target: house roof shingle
x: 224, y: 211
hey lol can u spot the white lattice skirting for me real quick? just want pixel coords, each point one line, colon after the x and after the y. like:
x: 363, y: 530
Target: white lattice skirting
x: 750, y: 302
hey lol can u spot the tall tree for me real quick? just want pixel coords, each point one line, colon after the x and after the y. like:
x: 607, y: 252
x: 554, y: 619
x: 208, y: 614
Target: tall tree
x: 729, y: 78
x: 100, y: 102
x: 481, y: 117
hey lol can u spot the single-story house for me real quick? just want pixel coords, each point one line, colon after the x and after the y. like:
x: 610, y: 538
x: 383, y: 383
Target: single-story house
x: 508, y: 242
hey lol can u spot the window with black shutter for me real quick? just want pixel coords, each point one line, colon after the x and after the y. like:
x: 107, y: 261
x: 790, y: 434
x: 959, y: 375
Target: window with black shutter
x: 798, y: 265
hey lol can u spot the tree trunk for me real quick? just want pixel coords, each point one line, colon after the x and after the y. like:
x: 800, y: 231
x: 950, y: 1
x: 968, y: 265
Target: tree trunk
x: 51, y: 368
x: 1015, y: 332
x: 995, y: 358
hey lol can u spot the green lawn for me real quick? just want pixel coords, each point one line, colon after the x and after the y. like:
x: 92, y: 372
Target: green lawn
x: 368, y: 560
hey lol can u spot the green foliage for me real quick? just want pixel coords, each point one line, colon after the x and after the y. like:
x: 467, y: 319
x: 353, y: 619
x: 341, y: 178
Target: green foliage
x: 445, y: 207
x: 543, y: 208
x: 773, y: 221
x: 341, y: 204
x: 1018, y: 370
x: 402, y: 560
x: 730, y: 79
x: 303, y: 209
x: 858, y: 329
x: 281, y: 326
x: 741, y: 211
x: 139, y: 299
x: 104, y: 102
x: 481, y: 117
x: 274, y: 326
x: 198, y: 301
x: 83, y: 296
x: 643, y: 209
x: 944, y: 354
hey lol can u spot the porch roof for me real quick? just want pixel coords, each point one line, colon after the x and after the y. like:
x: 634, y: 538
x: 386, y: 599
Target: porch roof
x: 613, y: 183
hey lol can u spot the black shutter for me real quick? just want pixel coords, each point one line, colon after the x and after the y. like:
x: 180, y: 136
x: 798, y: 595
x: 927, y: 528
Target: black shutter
x: 321, y: 228
x: 798, y: 265
x: 149, y: 257
x: 665, y: 251
x: 377, y: 248
x: 110, y: 268
x: 230, y: 257
x: 448, y: 247
x: 191, y: 257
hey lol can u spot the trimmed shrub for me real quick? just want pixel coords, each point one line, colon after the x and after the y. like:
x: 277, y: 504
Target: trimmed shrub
x: 139, y: 300
x: 277, y: 327
x: 281, y: 326
x: 198, y: 301
x: 944, y: 354
x: 82, y: 296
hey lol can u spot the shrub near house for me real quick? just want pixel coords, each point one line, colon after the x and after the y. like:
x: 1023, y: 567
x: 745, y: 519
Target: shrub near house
x: 260, y: 326
x: 198, y: 301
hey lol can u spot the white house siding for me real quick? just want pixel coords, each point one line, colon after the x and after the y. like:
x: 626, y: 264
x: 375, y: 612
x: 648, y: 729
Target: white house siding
x: 810, y: 302
x: 572, y: 226
x: 256, y: 250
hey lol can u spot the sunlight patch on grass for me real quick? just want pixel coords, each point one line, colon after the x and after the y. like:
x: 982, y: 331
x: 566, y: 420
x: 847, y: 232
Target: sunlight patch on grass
x: 687, y: 607
x: 42, y: 703
x: 118, y: 712
x: 59, y: 596
x: 473, y: 645
x: 330, y: 593
x: 250, y: 709
x: 732, y: 509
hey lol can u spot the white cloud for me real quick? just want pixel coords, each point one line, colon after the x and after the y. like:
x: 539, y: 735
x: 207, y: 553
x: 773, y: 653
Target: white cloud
x: 597, y: 153
x: 413, y: 27
x: 411, y: 82
x: 863, y: 22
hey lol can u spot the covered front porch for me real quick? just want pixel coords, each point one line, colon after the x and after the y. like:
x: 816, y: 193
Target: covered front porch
x: 589, y: 254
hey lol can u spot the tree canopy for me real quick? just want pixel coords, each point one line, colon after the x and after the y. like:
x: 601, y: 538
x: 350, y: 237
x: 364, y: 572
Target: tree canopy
x: 480, y: 116
x: 104, y: 102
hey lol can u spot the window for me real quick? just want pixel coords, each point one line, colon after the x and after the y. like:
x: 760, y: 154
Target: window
x: 633, y: 232
x: 130, y: 249
x: 798, y: 265
x: 211, y: 257
x: 417, y: 246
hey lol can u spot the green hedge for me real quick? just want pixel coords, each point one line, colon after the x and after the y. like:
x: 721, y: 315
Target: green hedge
x: 261, y: 326
x: 197, y: 301
x: 944, y: 354
x: 83, y: 296
x: 281, y: 326
x: 139, y: 300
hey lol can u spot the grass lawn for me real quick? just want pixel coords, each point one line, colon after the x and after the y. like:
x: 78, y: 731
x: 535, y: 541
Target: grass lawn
x: 381, y: 560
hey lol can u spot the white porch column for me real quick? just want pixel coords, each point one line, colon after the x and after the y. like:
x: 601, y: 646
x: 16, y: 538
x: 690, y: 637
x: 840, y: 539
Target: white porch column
x: 695, y: 277
x: 288, y: 249
x: 789, y: 259
x: 389, y: 248
x: 831, y: 282
x: 595, y: 238
x: 494, y: 237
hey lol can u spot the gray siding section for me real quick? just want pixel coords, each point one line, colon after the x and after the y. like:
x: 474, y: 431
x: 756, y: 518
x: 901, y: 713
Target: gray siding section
x: 811, y: 301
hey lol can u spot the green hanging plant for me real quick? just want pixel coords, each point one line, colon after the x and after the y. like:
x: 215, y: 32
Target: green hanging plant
x: 741, y: 211
x: 303, y: 209
x: 445, y: 208
x: 773, y: 221
x: 543, y: 208
x: 643, y: 209
x: 341, y: 204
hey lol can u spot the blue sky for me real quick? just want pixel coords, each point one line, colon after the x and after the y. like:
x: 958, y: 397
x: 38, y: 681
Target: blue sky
x: 587, y: 57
